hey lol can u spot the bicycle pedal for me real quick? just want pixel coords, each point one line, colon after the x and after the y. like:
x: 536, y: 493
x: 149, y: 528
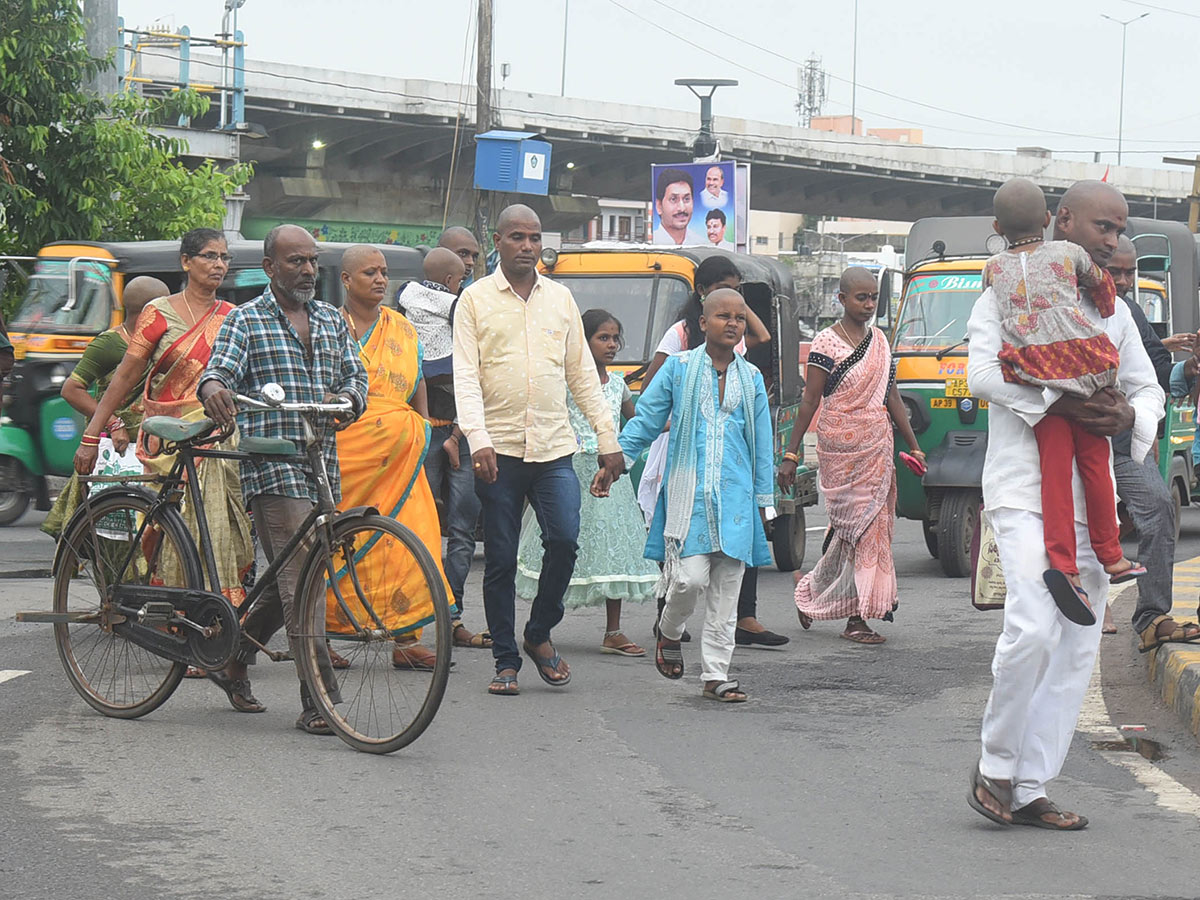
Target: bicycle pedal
x: 156, y: 612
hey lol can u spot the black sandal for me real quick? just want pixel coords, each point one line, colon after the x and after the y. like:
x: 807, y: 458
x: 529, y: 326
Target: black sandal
x: 667, y: 658
x: 238, y: 692
x: 541, y: 663
x: 312, y: 722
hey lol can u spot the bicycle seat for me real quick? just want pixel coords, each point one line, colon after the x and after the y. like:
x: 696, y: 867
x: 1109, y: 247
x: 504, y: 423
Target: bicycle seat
x: 168, y: 428
x: 264, y: 446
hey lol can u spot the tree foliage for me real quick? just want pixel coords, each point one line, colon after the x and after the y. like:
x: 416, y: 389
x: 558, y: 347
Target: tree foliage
x: 76, y: 166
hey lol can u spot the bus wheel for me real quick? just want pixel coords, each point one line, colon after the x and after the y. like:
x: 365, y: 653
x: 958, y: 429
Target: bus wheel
x: 787, y: 540
x: 957, y: 522
x: 931, y: 537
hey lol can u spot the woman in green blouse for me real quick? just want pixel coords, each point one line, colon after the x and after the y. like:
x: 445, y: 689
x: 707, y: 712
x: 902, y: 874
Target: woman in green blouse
x: 94, y: 370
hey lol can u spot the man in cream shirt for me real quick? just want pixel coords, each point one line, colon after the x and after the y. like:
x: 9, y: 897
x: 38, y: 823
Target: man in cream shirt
x: 518, y: 347
x: 1043, y: 662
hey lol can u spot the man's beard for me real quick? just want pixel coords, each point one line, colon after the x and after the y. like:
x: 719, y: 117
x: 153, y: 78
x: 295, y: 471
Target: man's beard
x: 304, y: 296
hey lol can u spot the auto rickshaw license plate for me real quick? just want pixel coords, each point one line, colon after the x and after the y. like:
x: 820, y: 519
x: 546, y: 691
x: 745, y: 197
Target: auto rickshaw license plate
x: 957, y: 387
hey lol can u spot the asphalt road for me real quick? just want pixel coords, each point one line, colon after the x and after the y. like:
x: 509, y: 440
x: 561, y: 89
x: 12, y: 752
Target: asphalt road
x: 845, y: 776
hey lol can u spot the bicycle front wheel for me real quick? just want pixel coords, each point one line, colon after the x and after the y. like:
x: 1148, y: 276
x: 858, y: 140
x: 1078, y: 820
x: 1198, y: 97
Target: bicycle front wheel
x: 381, y: 605
x: 97, y: 552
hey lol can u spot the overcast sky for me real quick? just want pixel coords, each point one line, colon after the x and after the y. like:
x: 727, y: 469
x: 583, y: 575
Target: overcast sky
x: 1052, y: 67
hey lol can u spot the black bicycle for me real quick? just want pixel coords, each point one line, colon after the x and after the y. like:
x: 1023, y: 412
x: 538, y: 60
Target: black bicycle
x: 131, y: 611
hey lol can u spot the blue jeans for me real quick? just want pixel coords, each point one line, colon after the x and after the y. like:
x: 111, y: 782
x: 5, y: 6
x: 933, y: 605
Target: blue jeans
x: 553, y: 491
x: 460, y: 507
x: 1149, y: 504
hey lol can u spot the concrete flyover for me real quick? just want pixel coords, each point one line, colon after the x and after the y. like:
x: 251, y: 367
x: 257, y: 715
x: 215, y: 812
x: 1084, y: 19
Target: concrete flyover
x: 393, y: 139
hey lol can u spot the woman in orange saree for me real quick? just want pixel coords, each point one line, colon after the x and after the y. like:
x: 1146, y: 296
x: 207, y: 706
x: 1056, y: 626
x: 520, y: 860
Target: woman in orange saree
x: 173, y: 340
x: 382, y: 458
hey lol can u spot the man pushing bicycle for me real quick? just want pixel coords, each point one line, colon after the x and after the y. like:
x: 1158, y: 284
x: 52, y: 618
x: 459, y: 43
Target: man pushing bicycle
x: 288, y: 338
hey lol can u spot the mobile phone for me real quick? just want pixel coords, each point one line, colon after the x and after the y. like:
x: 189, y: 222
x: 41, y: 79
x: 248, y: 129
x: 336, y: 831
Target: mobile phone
x: 914, y: 465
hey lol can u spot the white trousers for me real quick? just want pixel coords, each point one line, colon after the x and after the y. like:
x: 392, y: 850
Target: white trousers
x: 1043, y: 662
x: 718, y: 579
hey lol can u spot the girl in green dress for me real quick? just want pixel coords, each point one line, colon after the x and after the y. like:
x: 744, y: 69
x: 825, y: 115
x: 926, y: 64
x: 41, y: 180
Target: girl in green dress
x: 91, y: 376
x: 610, y: 567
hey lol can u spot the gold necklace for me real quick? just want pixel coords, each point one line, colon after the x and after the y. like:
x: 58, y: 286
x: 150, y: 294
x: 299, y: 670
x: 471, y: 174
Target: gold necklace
x: 187, y: 302
x: 846, y: 334
x: 350, y: 324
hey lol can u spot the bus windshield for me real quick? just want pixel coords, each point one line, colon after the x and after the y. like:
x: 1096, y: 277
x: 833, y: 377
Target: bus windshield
x: 935, y: 310
x: 48, y: 306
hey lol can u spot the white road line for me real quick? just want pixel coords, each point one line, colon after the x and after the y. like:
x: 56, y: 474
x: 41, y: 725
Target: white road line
x: 1095, y: 721
x: 10, y: 674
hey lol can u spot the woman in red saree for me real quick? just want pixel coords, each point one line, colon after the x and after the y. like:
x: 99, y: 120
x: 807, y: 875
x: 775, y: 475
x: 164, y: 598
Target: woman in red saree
x: 850, y: 376
x: 170, y: 345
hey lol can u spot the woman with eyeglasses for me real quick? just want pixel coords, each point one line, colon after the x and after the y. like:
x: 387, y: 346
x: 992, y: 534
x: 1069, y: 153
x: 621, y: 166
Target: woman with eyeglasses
x: 712, y: 273
x: 170, y: 345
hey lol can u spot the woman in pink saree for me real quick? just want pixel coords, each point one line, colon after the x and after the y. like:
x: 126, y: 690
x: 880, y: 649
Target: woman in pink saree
x: 851, y: 378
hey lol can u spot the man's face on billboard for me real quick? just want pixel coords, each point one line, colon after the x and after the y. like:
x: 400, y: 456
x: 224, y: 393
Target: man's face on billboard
x: 716, y: 230
x: 714, y: 180
x: 675, y: 208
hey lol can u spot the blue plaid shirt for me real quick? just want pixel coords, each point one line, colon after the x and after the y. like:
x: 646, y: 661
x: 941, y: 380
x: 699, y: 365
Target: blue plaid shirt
x: 256, y: 345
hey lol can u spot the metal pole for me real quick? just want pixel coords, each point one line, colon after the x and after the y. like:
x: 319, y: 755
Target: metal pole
x: 483, y: 116
x: 562, y: 89
x: 1121, y: 102
x: 854, y: 72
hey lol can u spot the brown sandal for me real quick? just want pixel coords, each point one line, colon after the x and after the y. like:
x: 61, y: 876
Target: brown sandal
x: 862, y: 633
x: 1150, y: 639
x: 1033, y: 814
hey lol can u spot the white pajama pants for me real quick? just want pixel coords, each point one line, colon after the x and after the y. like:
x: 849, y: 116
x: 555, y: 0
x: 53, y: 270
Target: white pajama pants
x: 1043, y: 662
x: 717, y: 579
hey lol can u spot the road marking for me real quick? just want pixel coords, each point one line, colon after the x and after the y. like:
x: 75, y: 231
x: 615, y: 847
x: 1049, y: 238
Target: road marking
x: 1095, y: 721
x: 10, y: 674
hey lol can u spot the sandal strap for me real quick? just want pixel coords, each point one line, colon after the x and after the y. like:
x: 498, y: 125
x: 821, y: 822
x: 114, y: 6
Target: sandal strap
x: 671, y: 654
x: 726, y: 687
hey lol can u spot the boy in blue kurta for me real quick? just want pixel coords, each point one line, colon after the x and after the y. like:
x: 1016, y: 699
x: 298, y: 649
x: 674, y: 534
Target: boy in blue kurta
x: 708, y: 525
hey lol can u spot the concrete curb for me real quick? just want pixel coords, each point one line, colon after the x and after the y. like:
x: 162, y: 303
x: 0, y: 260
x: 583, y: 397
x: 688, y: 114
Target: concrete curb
x: 1175, y: 668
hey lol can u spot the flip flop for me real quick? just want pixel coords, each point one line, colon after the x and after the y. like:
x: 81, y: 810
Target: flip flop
x: 864, y: 635
x: 541, y: 663
x: 1071, y: 601
x: 1135, y: 570
x: 630, y: 649
x: 805, y: 620
x: 723, y: 693
x: 503, y: 686
x: 1024, y: 816
x: 1001, y: 794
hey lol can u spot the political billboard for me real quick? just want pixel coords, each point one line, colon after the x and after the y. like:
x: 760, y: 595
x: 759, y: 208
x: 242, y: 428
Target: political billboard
x: 695, y: 204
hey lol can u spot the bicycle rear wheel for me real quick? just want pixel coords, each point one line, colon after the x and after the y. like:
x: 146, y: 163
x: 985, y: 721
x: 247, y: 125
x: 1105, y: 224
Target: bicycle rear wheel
x: 389, y: 585
x: 114, y: 675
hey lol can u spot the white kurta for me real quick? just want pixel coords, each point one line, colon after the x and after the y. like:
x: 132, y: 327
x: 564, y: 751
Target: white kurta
x: 1043, y: 662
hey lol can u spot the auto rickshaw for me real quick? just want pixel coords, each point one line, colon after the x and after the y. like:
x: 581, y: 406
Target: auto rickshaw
x: 73, y: 293
x: 942, y: 281
x: 646, y: 287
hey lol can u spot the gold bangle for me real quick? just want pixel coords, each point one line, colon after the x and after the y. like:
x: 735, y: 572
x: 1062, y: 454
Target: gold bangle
x: 791, y: 457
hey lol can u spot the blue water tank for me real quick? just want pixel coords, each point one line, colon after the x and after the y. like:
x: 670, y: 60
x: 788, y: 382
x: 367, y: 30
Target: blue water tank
x: 513, y: 162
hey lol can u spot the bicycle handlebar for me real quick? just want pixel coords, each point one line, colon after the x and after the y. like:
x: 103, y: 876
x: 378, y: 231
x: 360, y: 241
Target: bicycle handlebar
x: 342, y: 406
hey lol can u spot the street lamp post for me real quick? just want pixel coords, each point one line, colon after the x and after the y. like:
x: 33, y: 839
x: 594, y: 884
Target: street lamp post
x: 1124, y: 23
